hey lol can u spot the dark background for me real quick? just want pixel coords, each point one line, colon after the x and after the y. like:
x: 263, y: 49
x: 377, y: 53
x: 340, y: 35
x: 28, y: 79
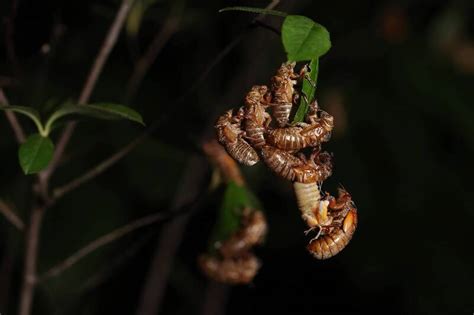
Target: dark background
x: 399, y: 81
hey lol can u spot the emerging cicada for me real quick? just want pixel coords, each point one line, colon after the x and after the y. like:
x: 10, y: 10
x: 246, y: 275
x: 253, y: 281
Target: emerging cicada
x: 333, y: 238
x: 230, y: 135
x: 257, y: 119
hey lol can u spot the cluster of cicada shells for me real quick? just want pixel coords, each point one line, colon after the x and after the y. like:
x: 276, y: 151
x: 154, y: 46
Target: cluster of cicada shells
x: 261, y: 130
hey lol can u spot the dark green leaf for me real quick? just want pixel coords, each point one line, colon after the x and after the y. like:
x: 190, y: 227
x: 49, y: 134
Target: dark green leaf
x: 101, y: 111
x: 27, y: 111
x: 35, y: 154
x: 236, y: 198
x: 255, y: 10
x: 115, y: 111
x: 303, y: 38
x: 309, y: 88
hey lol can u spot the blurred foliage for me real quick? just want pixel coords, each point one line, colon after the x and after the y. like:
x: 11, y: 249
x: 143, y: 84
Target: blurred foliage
x: 401, y: 73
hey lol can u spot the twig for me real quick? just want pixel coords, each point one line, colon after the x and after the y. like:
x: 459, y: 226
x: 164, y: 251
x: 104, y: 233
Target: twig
x: 224, y: 52
x: 102, y: 241
x: 226, y: 165
x: 143, y: 64
x: 108, y: 44
x: 11, y: 216
x: 9, y: 42
x: 31, y: 255
x: 215, y: 298
x: 169, y: 239
x: 14, y: 123
x: 97, y: 170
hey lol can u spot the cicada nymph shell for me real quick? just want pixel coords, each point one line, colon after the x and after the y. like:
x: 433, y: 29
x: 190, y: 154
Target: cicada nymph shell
x: 257, y: 119
x: 230, y: 135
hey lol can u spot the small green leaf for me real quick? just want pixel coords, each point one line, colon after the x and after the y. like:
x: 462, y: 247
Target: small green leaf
x: 27, y: 111
x: 303, y: 38
x: 255, y: 10
x: 308, y: 89
x: 236, y: 198
x: 115, y: 111
x: 35, y: 154
x: 100, y: 111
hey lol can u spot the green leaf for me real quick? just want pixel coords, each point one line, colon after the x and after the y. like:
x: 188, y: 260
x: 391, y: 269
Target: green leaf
x: 236, y: 198
x: 303, y: 38
x: 308, y: 89
x: 100, y: 111
x: 35, y: 154
x: 255, y: 10
x: 27, y: 111
x: 114, y: 111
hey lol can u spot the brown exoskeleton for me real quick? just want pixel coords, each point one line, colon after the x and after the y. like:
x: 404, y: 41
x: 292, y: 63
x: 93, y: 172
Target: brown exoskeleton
x: 311, y: 134
x: 284, y: 95
x: 297, y: 169
x: 239, y: 270
x: 334, y: 237
x: 257, y: 119
x: 230, y: 135
x: 252, y: 232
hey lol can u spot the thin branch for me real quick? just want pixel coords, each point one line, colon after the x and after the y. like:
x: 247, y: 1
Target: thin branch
x: 226, y: 164
x: 224, y: 52
x: 11, y: 216
x: 14, y: 123
x: 102, y: 241
x: 143, y: 64
x: 31, y: 256
x: 9, y: 41
x: 107, y: 45
x: 97, y: 170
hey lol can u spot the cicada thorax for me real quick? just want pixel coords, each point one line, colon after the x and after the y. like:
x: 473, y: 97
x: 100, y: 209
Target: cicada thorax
x: 283, y: 92
x: 230, y: 135
x: 256, y: 117
x: 239, y: 270
x: 335, y: 236
x: 251, y: 233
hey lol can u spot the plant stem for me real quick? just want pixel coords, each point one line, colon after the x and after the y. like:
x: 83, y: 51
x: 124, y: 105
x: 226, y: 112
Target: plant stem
x: 104, y: 52
x: 102, y: 241
x: 97, y: 170
x: 12, y: 120
x: 31, y: 255
x: 143, y: 64
x: 11, y: 216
